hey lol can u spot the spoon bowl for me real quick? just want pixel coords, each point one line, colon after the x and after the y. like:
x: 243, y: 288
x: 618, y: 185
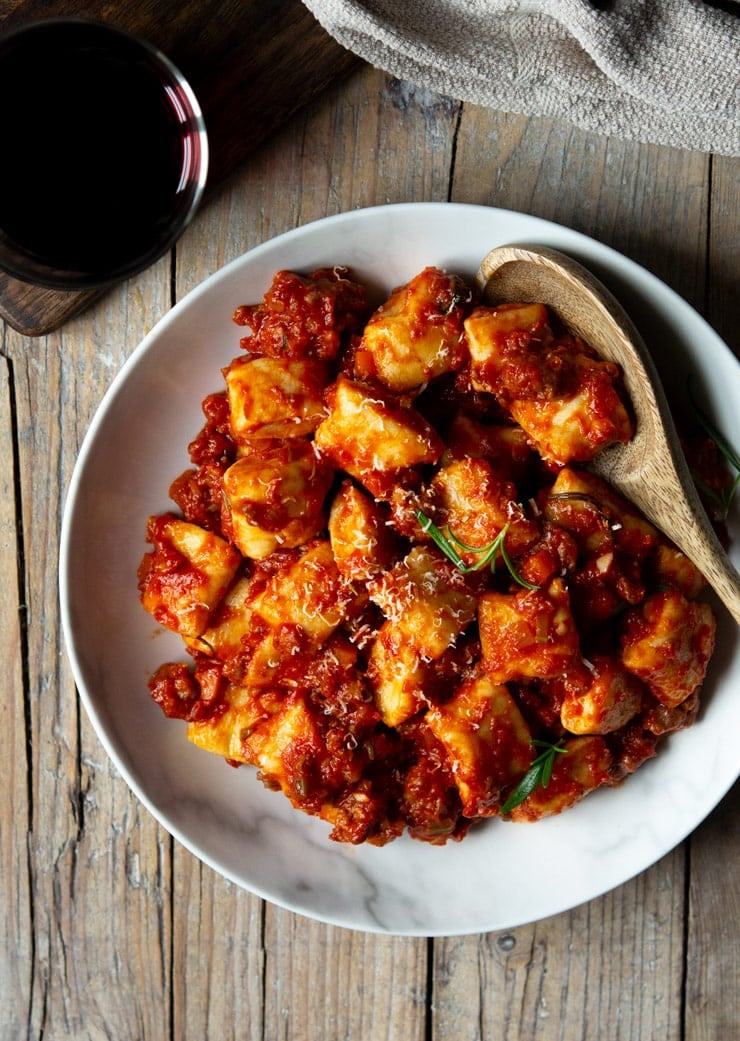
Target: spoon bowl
x: 650, y: 470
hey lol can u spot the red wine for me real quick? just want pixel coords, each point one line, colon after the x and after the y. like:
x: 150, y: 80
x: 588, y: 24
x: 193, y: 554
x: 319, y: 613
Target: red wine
x: 103, y: 154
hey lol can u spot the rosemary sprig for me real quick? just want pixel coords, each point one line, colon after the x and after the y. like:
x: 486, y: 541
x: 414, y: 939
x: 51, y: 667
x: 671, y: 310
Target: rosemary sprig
x: 539, y: 772
x: 449, y: 543
x: 722, y: 498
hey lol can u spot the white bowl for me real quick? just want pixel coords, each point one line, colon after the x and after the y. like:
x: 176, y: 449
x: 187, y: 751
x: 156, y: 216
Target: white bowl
x: 502, y: 874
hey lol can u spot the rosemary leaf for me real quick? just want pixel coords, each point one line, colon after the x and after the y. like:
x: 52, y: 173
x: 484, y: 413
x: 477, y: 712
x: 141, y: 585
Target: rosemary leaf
x: 539, y: 772
x: 448, y: 543
x: 512, y: 570
x: 431, y: 529
x: 525, y: 787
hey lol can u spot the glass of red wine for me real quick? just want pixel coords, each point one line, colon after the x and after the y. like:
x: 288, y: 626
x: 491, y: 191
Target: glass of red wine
x: 105, y: 154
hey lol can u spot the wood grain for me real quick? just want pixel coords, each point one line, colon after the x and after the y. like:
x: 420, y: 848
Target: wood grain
x: 322, y: 977
x: 113, y: 930
x: 16, y: 938
x: 616, y: 961
x: 722, y: 302
x: 713, y: 952
x: 713, y: 935
x: 97, y: 863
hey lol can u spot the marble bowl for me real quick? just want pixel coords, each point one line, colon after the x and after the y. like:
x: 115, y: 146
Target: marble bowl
x: 502, y: 875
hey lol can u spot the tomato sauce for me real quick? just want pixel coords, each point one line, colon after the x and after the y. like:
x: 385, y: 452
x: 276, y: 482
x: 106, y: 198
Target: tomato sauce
x: 395, y: 579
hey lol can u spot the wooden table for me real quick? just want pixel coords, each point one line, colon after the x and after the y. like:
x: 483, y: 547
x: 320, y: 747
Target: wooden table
x: 111, y: 929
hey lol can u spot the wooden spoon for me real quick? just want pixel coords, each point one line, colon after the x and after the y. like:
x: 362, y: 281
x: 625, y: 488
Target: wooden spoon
x: 651, y: 469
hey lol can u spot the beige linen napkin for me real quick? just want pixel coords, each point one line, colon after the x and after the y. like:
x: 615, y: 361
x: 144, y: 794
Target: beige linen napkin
x: 663, y: 71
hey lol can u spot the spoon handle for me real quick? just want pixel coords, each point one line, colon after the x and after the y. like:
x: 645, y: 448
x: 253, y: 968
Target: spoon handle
x: 651, y: 469
x: 669, y: 501
x: 714, y: 565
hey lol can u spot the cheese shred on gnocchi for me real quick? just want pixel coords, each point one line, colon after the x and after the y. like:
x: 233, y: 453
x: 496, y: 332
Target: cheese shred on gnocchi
x: 395, y: 578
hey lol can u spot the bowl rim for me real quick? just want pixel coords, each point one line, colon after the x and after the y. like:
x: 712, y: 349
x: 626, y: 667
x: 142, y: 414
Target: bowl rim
x: 622, y: 263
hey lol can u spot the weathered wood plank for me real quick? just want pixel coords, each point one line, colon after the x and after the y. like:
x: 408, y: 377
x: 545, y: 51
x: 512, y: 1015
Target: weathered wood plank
x: 713, y: 955
x: 323, y: 982
x: 713, y: 962
x: 98, y: 864
x: 615, y: 960
x: 723, y: 294
x: 15, y: 896
x: 218, y: 959
x: 649, y: 203
x: 367, y: 142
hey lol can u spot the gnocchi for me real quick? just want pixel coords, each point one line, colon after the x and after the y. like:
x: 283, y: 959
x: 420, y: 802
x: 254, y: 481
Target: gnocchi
x: 396, y: 578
